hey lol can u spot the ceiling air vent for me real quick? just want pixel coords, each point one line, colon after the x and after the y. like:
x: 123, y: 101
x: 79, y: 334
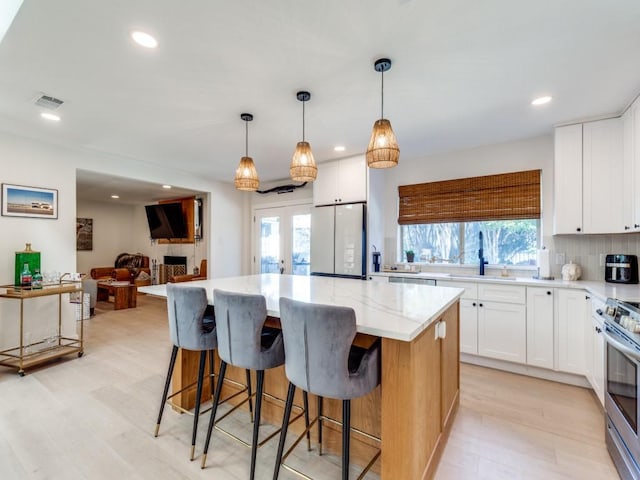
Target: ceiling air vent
x: 51, y: 103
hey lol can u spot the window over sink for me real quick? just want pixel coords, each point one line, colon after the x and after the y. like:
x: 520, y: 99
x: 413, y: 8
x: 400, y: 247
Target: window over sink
x: 506, y: 242
x: 440, y: 221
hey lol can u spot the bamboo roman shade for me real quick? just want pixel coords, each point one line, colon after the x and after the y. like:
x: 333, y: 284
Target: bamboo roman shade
x: 507, y: 196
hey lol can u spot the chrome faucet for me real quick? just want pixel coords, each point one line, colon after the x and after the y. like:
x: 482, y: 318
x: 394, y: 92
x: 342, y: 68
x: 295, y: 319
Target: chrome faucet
x: 483, y: 262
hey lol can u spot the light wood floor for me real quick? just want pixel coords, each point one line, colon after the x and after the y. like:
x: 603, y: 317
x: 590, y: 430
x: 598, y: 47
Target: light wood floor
x: 93, y: 418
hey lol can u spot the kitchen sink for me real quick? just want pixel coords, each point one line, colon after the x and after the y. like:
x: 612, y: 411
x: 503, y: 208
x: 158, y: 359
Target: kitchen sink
x: 488, y: 277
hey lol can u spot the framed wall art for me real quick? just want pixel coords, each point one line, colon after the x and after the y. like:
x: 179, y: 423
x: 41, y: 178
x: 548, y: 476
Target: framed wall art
x: 20, y: 201
x: 84, y: 233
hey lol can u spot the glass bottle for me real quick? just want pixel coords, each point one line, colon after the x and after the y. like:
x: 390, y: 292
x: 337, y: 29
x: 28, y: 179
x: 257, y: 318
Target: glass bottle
x: 36, y: 281
x: 25, y: 277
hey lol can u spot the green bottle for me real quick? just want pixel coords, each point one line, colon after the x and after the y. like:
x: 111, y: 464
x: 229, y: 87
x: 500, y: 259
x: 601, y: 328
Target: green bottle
x: 36, y: 281
x: 25, y: 277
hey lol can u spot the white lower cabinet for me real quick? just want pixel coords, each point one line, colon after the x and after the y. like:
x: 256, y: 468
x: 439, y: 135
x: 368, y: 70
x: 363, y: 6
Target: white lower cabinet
x: 502, y: 331
x: 540, y: 323
x: 468, y: 315
x: 595, y: 349
x: 572, y: 311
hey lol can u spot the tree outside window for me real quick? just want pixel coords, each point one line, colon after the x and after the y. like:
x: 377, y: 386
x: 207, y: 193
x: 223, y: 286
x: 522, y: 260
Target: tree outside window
x: 506, y: 242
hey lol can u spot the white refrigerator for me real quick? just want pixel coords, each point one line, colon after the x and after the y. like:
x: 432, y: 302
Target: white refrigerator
x: 338, y: 240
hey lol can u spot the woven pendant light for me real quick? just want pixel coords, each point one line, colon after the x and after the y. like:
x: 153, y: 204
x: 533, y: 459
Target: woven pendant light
x: 383, y: 150
x: 246, y: 173
x: 303, y: 166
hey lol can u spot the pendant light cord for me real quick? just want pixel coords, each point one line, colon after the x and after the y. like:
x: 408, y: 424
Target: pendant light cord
x: 382, y: 96
x: 246, y: 138
x: 303, y: 102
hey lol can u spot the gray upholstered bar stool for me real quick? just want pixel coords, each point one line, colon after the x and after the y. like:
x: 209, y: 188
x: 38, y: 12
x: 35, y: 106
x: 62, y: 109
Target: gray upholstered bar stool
x: 320, y: 359
x: 244, y: 341
x: 190, y: 328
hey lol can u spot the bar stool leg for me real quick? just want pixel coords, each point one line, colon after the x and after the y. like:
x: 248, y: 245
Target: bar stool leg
x: 211, y: 380
x: 249, y: 393
x: 346, y: 431
x: 196, y: 413
x: 320, y: 425
x: 305, y: 401
x: 172, y: 363
x: 214, y: 409
x: 285, y: 427
x: 256, y: 421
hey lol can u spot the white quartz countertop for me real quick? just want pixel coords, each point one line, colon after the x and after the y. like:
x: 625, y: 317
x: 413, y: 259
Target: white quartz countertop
x: 389, y: 310
x: 603, y: 290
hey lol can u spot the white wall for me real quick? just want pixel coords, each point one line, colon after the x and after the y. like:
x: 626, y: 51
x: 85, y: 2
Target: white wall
x: 113, y: 233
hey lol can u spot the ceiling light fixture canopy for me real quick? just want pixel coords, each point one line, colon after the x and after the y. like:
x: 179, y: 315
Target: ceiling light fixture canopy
x: 383, y: 150
x: 246, y: 173
x: 303, y: 166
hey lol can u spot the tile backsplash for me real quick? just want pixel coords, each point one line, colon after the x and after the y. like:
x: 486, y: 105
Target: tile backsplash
x: 585, y: 250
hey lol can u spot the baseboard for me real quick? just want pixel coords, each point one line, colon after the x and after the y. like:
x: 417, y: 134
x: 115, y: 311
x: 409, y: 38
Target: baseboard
x: 562, y: 377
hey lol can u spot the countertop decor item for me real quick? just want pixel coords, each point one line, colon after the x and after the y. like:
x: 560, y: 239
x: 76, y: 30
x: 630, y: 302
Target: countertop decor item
x: 571, y: 271
x: 246, y: 173
x: 303, y: 165
x: 410, y: 255
x: 383, y: 150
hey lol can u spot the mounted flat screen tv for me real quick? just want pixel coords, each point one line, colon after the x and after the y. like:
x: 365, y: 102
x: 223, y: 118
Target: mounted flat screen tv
x: 166, y: 220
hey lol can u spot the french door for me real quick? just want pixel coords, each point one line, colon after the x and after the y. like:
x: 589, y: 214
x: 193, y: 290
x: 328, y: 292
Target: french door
x: 282, y: 240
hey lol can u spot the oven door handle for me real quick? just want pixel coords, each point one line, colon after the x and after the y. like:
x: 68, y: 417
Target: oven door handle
x: 634, y: 354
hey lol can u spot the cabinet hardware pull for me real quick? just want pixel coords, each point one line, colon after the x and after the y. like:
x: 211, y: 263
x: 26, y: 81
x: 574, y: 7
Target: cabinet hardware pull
x: 548, y: 292
x: 474, y: 304
x: 578, y: 229
x: 480, y: 304
x: 626, y: 227
x: 635, y: 225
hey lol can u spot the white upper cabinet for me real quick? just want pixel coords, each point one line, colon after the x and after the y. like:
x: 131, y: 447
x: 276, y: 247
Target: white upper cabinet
x: 602, y: 162
x: 631, y: 120
x: 341, y: 181
x: 568, y: 180
x: 589, y: 160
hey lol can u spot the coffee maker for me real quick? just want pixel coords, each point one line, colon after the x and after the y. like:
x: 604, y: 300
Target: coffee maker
x: 621, y: 268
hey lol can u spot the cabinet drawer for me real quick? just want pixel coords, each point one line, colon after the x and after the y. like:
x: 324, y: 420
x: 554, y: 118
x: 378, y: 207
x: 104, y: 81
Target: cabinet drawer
x: 470, y: 289
x: 502, y: 293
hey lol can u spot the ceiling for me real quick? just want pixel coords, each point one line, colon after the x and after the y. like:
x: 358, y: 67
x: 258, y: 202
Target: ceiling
x: 464, y: 73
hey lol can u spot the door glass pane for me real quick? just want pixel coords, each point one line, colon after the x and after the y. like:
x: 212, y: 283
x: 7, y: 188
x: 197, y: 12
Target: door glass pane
x: 270, y: 245
x: 300, y: 244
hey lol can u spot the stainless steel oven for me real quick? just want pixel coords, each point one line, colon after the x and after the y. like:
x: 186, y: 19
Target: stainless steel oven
x: 622, y: 378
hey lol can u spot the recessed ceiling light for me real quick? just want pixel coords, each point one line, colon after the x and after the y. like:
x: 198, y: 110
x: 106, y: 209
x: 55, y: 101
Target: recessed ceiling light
x: 339, y: 148
x: 50, y: 116
x: 144, y: 39
x: 166, y: 186
x: 541, y: 100
x: 115, y: 196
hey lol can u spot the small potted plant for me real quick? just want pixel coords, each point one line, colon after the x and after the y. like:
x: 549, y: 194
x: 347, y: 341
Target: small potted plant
x: 410, y: 255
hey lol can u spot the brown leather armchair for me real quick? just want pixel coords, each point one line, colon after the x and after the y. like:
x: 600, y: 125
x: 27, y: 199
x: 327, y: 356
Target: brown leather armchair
x: 133, y: 268
x: 202, y: 274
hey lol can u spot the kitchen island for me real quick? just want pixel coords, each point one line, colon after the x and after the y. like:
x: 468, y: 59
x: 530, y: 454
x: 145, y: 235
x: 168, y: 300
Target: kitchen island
x: 412, y: 410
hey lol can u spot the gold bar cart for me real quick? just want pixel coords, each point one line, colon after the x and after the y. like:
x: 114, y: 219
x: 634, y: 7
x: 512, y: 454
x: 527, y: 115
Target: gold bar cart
x: 27, y: 355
